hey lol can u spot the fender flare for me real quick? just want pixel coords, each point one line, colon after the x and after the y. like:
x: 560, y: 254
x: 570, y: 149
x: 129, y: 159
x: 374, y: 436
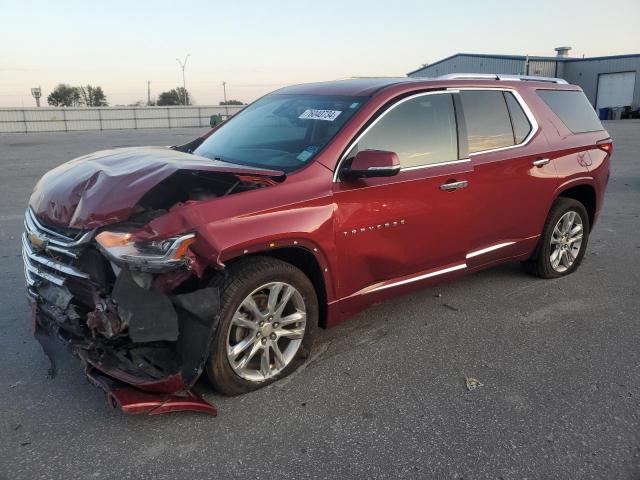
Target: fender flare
x: 574, y: 182
x: 311, y: 247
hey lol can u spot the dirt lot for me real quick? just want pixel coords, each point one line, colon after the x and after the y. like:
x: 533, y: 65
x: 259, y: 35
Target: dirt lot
x: 384, y: 395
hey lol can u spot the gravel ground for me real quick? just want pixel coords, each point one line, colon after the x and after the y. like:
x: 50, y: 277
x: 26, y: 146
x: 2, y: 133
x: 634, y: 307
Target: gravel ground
x: 384, y: 394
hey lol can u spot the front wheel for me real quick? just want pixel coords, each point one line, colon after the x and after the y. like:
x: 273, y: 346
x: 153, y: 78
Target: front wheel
x: 563, y: 241
x: 268, y: 312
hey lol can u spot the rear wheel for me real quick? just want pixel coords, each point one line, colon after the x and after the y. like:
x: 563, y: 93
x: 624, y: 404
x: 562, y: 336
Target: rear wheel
x: 563, y: 241
x: 268, y: 314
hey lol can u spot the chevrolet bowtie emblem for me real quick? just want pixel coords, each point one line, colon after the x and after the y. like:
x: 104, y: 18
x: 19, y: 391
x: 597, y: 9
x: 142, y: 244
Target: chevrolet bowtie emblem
x: 37, y: 241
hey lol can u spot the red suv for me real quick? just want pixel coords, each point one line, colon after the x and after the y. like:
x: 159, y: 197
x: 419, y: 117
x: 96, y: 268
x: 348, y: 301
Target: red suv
x: 154, y: 264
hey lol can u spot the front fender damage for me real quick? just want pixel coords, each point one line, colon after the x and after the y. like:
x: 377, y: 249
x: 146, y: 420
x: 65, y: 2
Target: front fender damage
x: 143, y: 331
x: 145, y: 347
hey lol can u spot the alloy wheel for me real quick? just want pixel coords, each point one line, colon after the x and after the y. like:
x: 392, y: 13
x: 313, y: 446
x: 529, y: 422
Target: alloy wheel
x: 566, y: 241
x: 266, y: 331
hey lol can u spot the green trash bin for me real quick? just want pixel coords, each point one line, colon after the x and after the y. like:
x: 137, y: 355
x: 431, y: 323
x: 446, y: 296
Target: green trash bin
x: 215, y: 120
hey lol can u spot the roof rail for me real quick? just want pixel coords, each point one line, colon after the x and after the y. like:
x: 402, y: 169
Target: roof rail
x: 500, y: 76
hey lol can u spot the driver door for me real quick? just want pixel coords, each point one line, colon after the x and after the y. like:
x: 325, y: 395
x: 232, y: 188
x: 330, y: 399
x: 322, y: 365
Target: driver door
x: 403, y: 229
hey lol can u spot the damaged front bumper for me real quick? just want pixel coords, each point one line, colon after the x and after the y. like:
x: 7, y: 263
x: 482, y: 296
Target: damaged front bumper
x: 143, y: 337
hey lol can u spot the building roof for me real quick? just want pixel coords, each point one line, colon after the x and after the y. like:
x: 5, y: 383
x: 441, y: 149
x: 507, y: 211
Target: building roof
x: 524, y: 57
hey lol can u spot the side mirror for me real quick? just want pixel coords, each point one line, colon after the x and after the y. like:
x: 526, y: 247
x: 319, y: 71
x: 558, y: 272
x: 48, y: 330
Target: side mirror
x: 373, y: 163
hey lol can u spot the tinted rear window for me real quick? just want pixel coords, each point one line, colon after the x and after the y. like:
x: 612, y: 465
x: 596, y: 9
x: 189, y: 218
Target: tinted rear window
x: 573, y: 108
x: 487, y: 118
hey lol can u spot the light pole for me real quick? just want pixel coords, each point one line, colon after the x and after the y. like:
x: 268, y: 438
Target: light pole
x: 37, y: 93
x: 183, y: 65
x: 226, y: 106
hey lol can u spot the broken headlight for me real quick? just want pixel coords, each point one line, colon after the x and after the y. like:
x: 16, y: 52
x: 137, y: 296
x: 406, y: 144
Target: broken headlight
x: 155, y: 255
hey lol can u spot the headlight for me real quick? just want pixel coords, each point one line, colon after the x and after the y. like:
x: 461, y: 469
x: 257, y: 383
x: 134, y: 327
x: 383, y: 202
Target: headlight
x: 156, y: 255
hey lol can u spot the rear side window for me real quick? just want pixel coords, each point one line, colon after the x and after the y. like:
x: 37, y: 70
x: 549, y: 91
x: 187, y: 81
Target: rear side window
x: 520, y: 122
x: 573, y: 108
x: 421, y: 130
x: 487, y: 118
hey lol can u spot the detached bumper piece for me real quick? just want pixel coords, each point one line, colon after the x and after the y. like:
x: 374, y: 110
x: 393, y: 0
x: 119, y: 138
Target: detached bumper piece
x: 134, y: 401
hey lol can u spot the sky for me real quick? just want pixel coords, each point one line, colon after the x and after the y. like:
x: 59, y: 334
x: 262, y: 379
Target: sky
x: 259, y: 46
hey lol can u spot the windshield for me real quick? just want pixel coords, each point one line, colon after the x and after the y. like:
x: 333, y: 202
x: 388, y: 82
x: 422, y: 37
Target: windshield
x: 280, y: 132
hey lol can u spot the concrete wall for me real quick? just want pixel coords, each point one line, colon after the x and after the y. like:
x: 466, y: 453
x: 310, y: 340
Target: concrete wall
x: 47, y: 119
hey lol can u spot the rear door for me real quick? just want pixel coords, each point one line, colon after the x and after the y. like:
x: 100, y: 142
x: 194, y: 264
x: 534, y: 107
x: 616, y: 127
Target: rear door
x: 515, y: 178
x: 414, y: 222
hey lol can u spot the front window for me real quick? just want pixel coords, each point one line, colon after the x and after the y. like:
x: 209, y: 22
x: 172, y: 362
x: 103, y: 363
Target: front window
x: 280, y: 132
x: 421, y: 131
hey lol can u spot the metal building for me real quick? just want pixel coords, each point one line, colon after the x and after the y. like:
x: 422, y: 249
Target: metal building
x: 608, y: 82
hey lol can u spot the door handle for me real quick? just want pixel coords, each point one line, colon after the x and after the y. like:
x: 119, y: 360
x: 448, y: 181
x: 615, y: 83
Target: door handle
x: 454, y: 185
x: 540, y: 162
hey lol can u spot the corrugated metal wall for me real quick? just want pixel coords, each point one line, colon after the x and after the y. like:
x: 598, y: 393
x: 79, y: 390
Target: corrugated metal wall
x: 46, y: 119
x: 585, y: 73
x: 582, y: 72
x: 541, y: 68
x: 467, y: 64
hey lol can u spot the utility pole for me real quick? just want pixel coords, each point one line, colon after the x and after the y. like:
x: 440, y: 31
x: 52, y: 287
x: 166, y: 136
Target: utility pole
x: 226, y: 107
x: 148, y: 93
x: 183, y: 65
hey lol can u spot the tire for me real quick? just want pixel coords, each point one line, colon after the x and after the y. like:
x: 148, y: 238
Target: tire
x: 246, y: 279
x: 540, y: 264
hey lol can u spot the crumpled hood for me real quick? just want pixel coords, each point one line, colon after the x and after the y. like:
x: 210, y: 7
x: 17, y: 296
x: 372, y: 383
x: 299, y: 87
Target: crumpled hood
x: 104, y: 187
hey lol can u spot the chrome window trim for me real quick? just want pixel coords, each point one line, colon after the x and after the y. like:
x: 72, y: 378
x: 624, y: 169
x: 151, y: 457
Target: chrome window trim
x: 525, y: 108
x: 374, y: 169
x: 523, y: 104
x: 380, y: 117
x: 439, y: 164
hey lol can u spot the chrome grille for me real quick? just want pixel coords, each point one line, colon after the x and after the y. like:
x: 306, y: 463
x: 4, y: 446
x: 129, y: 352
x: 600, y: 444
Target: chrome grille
x: 48, y: 253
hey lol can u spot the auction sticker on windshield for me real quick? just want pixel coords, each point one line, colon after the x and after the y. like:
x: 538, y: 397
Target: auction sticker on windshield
x: 327, y: 115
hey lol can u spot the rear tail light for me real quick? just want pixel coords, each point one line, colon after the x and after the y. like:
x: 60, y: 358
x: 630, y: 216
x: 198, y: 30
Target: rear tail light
x: 605, y: 145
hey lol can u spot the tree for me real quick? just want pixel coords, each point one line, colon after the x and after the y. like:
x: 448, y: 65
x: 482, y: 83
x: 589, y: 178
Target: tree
x: 92, y: 96
x: 175, y: 96
x: 184, y: 96
x: 168, y: 98
x: 64, y: 96
x: 232, y: 102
